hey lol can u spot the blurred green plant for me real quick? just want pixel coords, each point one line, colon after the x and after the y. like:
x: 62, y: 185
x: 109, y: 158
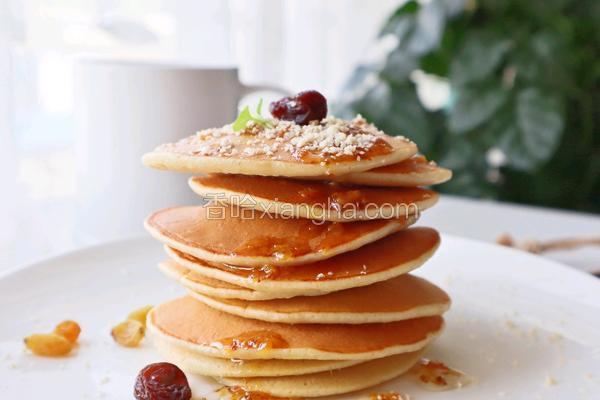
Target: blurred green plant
x: 522, y: 119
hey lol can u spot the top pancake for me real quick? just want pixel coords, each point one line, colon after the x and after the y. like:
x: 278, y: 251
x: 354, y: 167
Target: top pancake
x: 227, y: 234
x: 329, y: 147
x: 415, y: 171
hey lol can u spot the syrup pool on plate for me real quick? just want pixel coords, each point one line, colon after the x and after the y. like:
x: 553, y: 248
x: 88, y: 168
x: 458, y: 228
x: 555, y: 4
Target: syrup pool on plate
x: 239, y: 393
x: 437, y: 376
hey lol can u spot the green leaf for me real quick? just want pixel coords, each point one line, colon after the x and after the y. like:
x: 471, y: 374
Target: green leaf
x: 395, y: 23
x: 242, y: 120
x: 474, y: 106
x: 540, y: 119
x: 530, y: 135
x: 398, y: 66
x: 480, y: 55
x: 510, y: 141
x: 246, y: 116
x: 398, y: 111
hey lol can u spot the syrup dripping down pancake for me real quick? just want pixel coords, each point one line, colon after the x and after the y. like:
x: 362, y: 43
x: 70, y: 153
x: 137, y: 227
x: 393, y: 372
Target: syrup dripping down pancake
x: 316, y: 200
x: 415, y: 171
x: 227, y: 234
x: 396, y: 299
x: 384, y: 259
x: 191, y: 324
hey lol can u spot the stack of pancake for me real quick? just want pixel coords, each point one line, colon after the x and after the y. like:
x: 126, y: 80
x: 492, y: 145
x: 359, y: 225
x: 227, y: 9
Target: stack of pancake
x: 298, y: 266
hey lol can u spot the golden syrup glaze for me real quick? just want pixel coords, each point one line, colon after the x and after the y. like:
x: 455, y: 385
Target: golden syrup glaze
x: 263, y: 235
x: 379, y: 147
x: 313, y: 238
x: 393, y: 250
x: 258, y: 340
x: 387, y: 396
x: 239, y: 393
x: 325, y: 194
x: 437, y: 376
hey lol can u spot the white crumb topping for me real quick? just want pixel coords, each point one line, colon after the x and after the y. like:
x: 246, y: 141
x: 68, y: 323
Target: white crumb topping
x: 329, y: 138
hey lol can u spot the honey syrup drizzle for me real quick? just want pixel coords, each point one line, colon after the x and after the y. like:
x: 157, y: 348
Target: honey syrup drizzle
x: 252, y: 340
x: 316, y: 238
x: 437, y: 376
x: 387, y: 396
x: 378, y: 148
x: 368, y: 259
x: 239, y: 393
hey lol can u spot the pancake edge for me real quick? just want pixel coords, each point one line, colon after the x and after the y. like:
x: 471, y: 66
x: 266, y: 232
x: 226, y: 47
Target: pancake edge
x: 218, y: 367
x: 315, y: 390
x: 304, y: 288
x: 241, y: 293
x: 305, y: 317
x: 246, y: 261
x: 298, y: 353
x: 208, y: 164
x: 308, y: 211
x: 383, y: 179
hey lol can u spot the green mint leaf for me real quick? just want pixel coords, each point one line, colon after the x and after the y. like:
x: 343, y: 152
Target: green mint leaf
x: 242, y: 120
x: 246, y: 116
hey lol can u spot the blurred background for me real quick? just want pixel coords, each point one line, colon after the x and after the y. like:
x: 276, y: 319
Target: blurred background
x: 503, y: 92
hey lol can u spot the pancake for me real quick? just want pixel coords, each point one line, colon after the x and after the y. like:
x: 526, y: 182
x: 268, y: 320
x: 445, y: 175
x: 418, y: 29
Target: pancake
x: 190, y: 324
x: 316, y: 200
x: 213, y: 287
x: 221, y: 367
x: 331, y: 147
x: 384, y: 259
x: 396, y: 299
x: 226, y: 234
x: 343, y: 380
x: 415, y: 171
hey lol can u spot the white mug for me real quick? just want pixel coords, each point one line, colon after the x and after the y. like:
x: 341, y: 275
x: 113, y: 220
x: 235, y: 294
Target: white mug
x: 124, y: 109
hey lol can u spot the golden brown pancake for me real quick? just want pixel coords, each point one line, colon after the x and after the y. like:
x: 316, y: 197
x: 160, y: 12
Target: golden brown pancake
x: 189, y: 323
x: 228, y: 234
x: 285, y: 149
x: 396, y: 299
x: 384, y: 259
x: 316, y: 200
x: 197, y: 363
x: 340, y: 381
x: 415, y: 171
x: 199, y: 283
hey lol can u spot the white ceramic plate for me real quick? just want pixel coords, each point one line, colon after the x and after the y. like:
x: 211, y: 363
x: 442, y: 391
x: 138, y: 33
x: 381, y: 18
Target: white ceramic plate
x: 524, y: 327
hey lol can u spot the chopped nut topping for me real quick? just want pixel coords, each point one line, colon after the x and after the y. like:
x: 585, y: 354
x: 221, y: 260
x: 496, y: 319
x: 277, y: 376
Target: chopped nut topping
x: 331, y: 138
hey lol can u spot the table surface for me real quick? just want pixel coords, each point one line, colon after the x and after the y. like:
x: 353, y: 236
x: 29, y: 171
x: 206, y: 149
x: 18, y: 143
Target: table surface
x: 38, y: 231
